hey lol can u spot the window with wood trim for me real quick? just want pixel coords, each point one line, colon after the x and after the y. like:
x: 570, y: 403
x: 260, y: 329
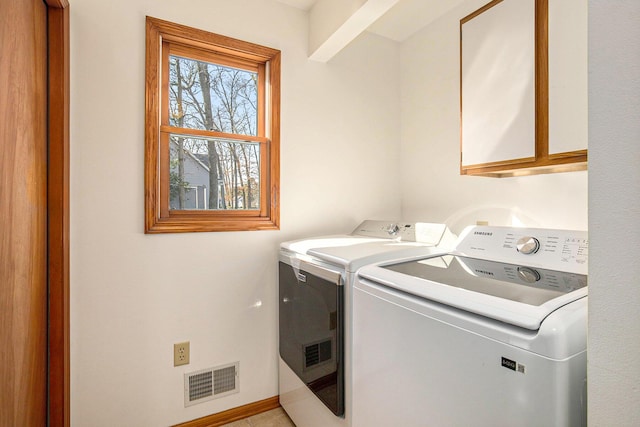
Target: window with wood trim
x: 212, y: 132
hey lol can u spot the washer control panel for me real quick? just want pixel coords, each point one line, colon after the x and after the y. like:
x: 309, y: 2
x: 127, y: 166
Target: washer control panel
x: 562, y: 250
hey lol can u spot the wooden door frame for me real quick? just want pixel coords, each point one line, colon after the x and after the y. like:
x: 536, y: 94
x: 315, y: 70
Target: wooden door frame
x: 58, y: 392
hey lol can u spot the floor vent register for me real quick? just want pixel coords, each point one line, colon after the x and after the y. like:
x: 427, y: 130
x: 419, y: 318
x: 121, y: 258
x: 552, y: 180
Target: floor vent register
x: 212, y: 383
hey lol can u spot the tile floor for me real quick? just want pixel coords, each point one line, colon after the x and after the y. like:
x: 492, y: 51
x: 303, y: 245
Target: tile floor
x: 273, y: 418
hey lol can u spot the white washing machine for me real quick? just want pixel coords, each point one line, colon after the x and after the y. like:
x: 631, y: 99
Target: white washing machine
x: 316, y: 276
x: 490, y: 334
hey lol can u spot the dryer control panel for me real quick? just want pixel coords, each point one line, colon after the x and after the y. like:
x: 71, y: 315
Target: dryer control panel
x: 422, y: 232
x: 562, y: 250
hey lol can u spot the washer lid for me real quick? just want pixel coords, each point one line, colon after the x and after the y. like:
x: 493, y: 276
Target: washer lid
x: 519, y: 295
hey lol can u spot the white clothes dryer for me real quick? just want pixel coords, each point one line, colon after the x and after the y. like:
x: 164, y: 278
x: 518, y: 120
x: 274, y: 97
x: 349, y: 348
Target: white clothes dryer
x: 316, y: 276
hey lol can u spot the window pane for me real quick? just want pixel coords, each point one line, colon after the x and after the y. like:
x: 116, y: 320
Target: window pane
x: 219, y: 174
x: 207, y: 96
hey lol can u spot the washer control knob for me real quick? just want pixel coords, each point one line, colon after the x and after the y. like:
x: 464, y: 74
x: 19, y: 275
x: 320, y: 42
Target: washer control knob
x: 528, y: 275
x: 393, y: 229
x: 528, y: 245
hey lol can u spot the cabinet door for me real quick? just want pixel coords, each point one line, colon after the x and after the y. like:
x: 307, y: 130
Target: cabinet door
x: 498, y: 83
x: 523, y: 82
x: 568, y: 109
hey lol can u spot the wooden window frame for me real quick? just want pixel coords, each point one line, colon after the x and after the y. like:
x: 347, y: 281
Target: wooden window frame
x: 163, y: 37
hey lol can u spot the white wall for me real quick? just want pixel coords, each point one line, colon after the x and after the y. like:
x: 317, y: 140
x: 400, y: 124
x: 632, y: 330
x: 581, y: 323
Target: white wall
x: 614, y: 212
x: 134, y: 295
x: 430, y: 150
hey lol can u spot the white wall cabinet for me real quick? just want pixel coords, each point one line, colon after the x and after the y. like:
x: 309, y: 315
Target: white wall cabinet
x: 523, y: 88
x: 568, y: 106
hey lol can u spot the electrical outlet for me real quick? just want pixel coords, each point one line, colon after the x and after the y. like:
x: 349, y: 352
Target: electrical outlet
x: 181, y: 354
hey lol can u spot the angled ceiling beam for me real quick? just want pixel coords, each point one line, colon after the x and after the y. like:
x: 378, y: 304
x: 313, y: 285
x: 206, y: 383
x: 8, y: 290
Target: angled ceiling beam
x: 333, y: 24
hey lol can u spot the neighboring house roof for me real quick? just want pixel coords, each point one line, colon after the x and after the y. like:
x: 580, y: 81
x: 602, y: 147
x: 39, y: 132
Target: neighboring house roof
x: 202, y: 159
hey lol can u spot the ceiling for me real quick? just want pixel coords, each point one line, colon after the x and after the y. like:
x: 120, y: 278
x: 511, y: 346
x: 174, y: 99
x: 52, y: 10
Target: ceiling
x: 403, y: 20
x: 300, y: 4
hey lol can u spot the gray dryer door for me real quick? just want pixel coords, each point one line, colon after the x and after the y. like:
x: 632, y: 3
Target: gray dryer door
x: 311, y: 323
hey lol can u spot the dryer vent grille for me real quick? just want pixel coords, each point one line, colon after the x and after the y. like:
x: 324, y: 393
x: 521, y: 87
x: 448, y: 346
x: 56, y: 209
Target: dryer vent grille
x: 213, y: 383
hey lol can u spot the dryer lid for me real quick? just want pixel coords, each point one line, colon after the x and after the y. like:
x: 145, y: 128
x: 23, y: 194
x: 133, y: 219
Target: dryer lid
x: 374, y: 241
